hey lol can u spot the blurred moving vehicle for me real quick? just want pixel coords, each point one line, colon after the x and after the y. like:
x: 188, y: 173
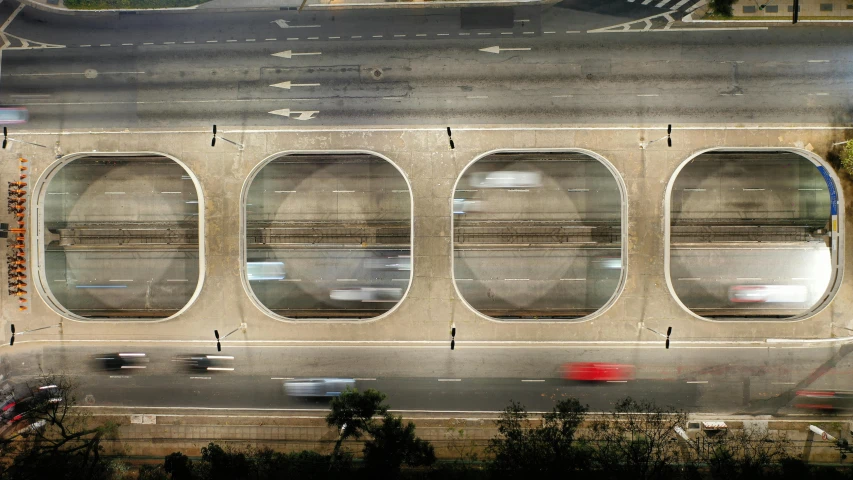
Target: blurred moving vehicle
x: 598, y: 372
x: 318, y: 387
x: 401, y: 263
x: 826, y: 400
x: 506, y: 179
x: 463, y: 205
x: 265, y: 271
x: 14, y: 409
x: 13, y: 115
x: 205, y: 362
x: 607, y: 263
x: 768, y: 294
x: 367, y: 294
x: 121, y: 361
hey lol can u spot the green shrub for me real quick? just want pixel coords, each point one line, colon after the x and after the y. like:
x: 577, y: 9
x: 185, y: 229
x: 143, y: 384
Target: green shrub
x: 722, y: 7
x: 847, y: 157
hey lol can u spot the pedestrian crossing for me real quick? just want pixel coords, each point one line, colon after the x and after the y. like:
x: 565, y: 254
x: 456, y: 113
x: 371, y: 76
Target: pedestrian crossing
x: 670, y: 5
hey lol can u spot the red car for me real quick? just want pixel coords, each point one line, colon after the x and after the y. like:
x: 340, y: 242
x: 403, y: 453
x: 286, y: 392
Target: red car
x: 598, y: 372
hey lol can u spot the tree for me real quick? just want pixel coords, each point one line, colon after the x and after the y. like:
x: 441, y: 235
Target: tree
x: 51, y: 441
x: 550, y: 448
x: 748, y: 453
x: 635, y: 440
x: 178, y: 466
x: 393, y: 445
x: 722, y: 7
x: 847, y: 157
x: 352, y: 414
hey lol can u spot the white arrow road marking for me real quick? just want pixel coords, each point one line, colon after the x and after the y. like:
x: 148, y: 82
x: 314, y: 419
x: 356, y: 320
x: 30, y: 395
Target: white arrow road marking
x: 289, y: 54
x: 287, y: 85
x: 283, y: 24
x: 303, y: 115
x: 497, y: 49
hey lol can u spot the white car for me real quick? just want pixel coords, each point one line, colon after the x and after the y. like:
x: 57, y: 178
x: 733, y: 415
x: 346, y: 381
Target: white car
x: 318, y: 387
x: 367, y: 294
x: 768, y: 294
x: 506, y: 179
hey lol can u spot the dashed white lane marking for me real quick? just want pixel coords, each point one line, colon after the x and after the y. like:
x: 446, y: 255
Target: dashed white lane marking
x: 694, y: 189
x: 748, y: 278
x: 462, y: 33
x: 343, y: 191
x: 105, y: 44
x: 212, y: 41
x: 484, y: 33
x: 250, y: 39
x: 377, y: 36
x: 549, y: 32
x: 443, y: 34
x: 148, y: 43
x: 822, y: 94
x: 191, y: 41
x: 572, y: 279
x: 364, y: 379
x: 516, y: 279
x: 648, y: 95
x: 177, y: 280
x: 528, y: 33
x: 617, y: 381
x: 285, y: 191
x: 293, y: 38
x: 818, y: 61
x: 199, y: 378
x: 230, y: 41
x: 113, y: 193
x: 119, y: 376
x: 506, y: 33
x: 356, y: 36
x: 449, y: 379
x: 347, y: 279
x: 334, y: 38
x: 533, y: 380
x: 126, y: 44
x: 698, y: 381
x: 165, y: 193
x: 313, y: 38
x: 573, y: 31
x: 168, y: 43
x: 782, y: 383
x: 281, y: 378
x: 752, y: 189
x: 684, y: 279
x: 810, y: 189
x: 85, y: 45
x: 399, y: 36
x: 420, y: 35
x: 522, y: 21
x: 270, y: 39
x: 119, y: 280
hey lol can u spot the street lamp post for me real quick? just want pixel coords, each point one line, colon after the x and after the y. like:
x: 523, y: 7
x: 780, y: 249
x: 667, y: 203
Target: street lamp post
x: 6, y: 140
x: 215, y: 136
x: 668, y: 333
x: 216, y: 334
x: 668, y: 137
x: 12, y: 340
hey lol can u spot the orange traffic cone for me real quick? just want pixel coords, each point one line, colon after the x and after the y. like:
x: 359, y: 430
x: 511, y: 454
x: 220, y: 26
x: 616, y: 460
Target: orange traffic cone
x: 23, y: 176
x: 22, y: 159
x: 22, y: 168
x: 22, y: 308
x: 22, y: 300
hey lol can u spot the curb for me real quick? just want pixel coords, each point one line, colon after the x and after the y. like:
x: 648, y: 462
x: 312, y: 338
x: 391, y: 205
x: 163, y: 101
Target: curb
x: 202, y: 9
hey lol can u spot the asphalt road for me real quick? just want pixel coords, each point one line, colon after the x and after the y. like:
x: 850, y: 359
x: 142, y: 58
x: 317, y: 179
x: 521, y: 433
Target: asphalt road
x: 721, y: 380
x: 421, y: 67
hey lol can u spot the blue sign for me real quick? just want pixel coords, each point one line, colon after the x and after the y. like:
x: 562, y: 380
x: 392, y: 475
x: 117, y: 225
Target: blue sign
x: 833, y: 194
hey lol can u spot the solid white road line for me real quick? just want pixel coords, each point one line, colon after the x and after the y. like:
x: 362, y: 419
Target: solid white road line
x: 698, y: 381
x: 533, y: 380
x: 449, y: 379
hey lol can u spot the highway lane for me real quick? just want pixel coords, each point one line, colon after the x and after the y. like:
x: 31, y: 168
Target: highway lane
x: 599, y: 78
x: 721, y: 380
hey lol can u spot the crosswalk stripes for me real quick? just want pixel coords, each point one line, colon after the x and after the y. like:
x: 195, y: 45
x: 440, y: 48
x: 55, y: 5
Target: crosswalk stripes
x: 670, y: 6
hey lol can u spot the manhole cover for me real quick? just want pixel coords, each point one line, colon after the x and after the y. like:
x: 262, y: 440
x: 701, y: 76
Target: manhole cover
x: 376, y: 73
x: 90, y: 73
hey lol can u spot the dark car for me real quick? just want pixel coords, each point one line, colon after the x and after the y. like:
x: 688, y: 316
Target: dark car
x: 121, y: 361
x: 205, y: 362
x: 14, y: 409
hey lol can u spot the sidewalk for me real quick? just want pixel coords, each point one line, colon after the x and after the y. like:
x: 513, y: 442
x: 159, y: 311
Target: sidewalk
x: 58, y: 6
x: 779, y: 11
